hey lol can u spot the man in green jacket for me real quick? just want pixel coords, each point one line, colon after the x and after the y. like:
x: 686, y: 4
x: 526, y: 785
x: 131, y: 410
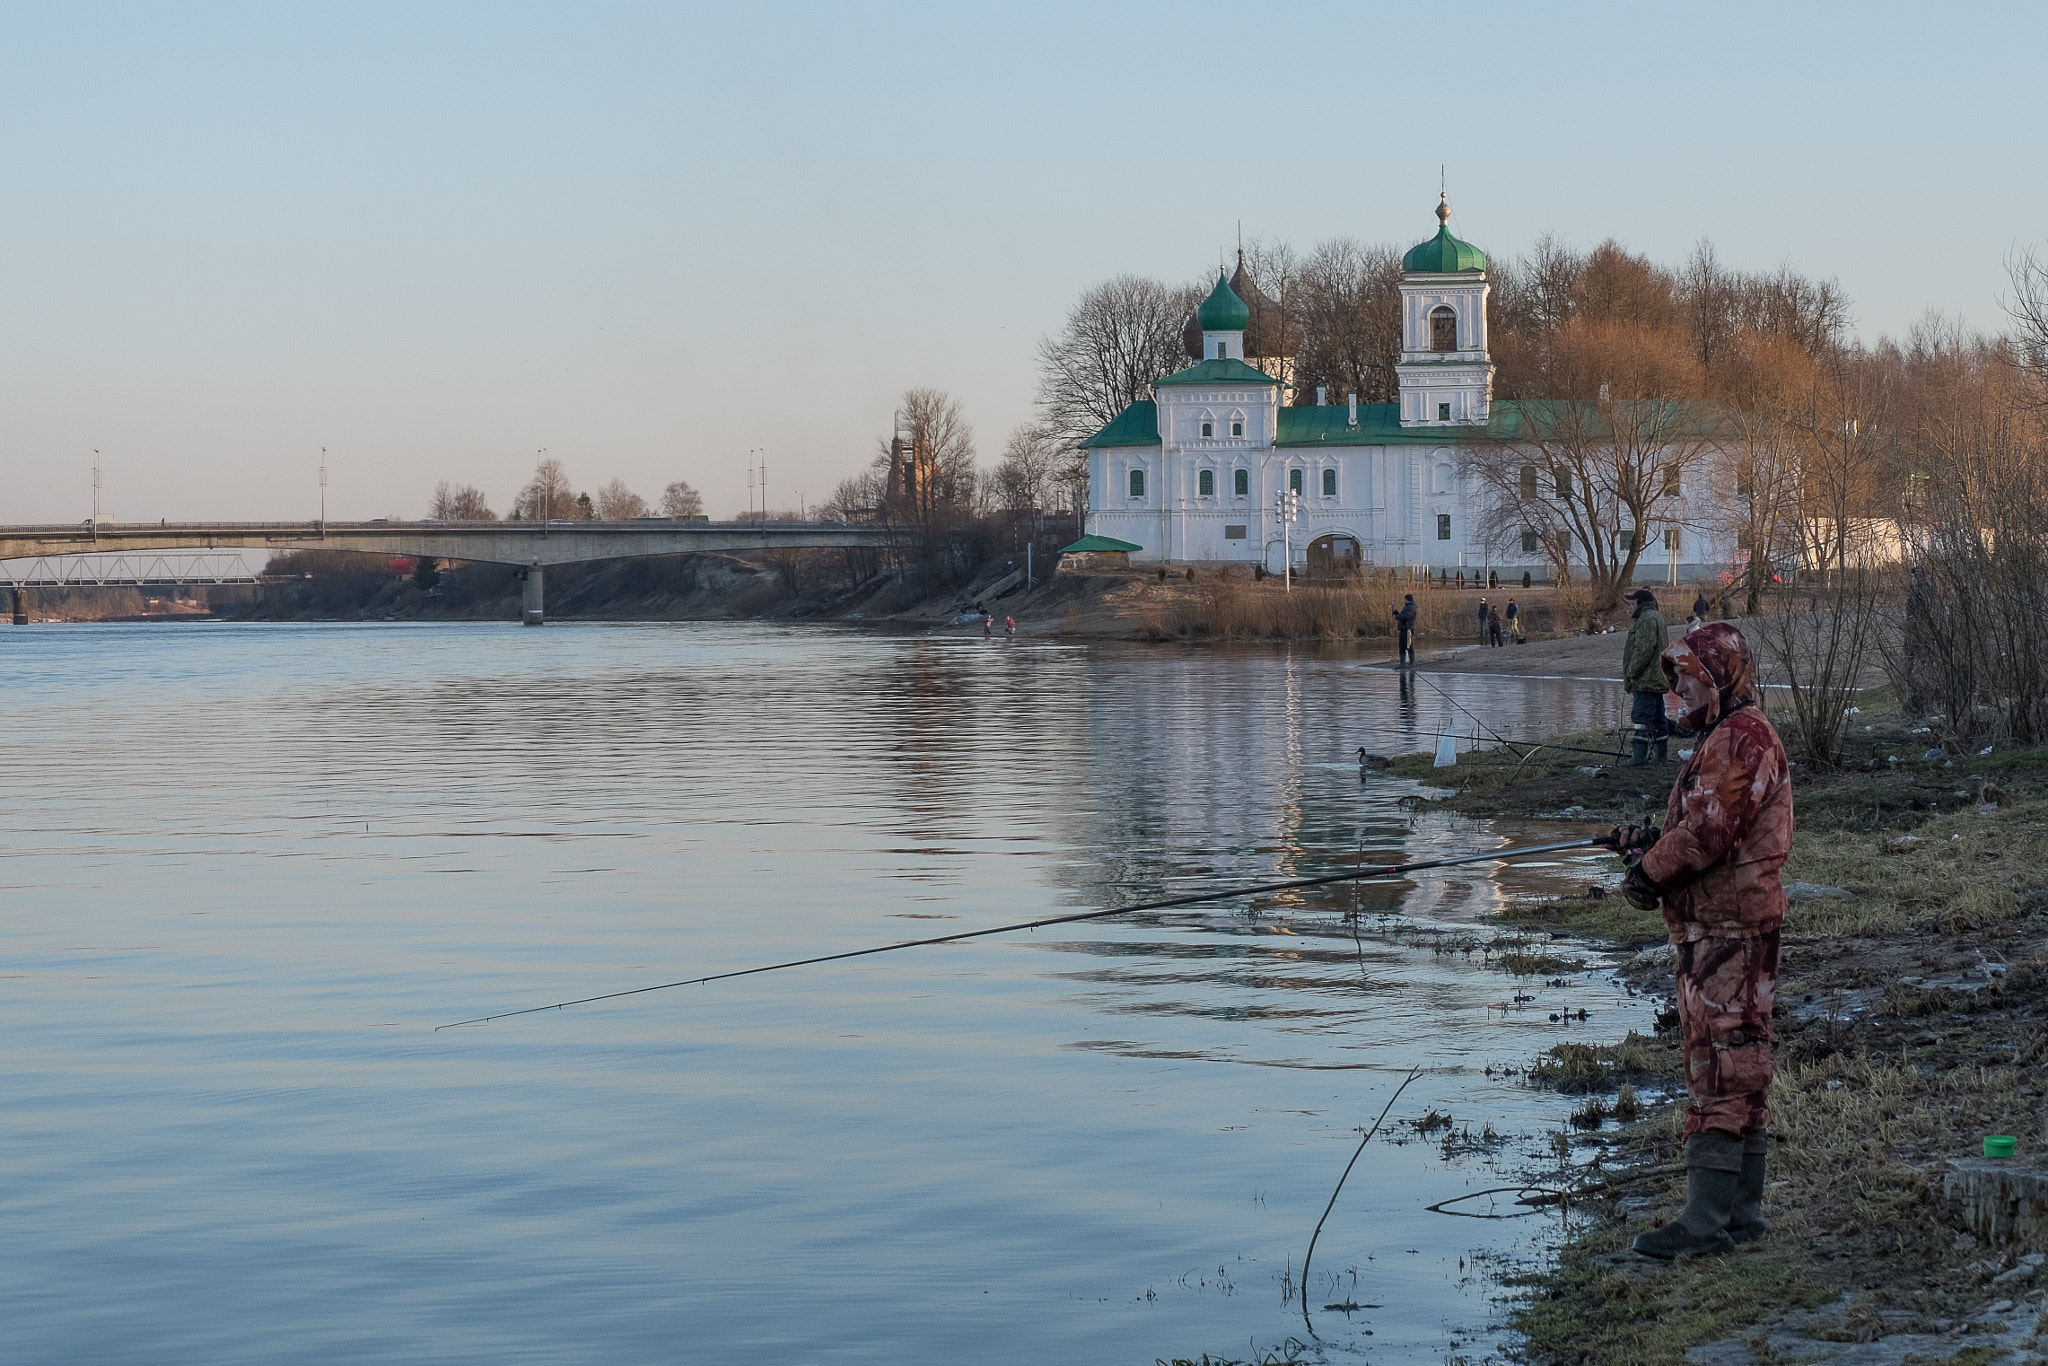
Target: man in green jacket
x: 1642, y: 673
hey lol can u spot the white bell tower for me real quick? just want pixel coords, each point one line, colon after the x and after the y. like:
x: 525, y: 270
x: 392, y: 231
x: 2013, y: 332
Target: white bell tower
x: 1446, y: 378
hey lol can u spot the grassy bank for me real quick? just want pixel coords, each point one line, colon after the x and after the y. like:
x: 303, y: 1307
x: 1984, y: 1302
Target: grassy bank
x: 1912, y: 1020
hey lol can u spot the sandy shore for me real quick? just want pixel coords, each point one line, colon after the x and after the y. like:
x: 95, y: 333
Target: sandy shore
x: 1589, y: 657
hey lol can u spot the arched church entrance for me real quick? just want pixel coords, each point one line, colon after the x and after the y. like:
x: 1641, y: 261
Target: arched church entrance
x: 1334, y: 554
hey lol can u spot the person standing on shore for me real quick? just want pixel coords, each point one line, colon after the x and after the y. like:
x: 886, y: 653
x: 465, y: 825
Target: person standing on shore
x: 1643, y: 675
x: 1515, y: 623
x: 1404, y: 629
x: 1494, y: 636
x: 1713, y: 873
x: 1009, y: 626
x: 988, y: 626
x: 1483, y: 617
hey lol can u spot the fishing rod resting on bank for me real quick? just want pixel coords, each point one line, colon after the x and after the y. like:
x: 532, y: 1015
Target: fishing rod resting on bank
x: 1296, y: 884
x: 1505, y: 743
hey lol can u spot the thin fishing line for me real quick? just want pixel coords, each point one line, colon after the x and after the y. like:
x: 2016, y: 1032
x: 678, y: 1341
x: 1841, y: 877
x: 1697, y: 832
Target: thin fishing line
x: 1167, y: 904
x: 1490, y: 731
x: 1309, y: 1256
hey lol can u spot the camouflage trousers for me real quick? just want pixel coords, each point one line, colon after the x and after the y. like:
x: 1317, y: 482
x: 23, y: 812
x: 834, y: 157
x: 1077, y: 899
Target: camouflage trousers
x: 1726, y: 988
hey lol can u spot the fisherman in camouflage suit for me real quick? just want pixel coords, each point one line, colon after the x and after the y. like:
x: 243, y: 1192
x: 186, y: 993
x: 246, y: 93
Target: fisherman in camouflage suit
x: 1713, y: 870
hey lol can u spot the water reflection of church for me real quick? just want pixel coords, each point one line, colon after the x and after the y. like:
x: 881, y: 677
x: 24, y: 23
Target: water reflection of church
x: 1193, y: 473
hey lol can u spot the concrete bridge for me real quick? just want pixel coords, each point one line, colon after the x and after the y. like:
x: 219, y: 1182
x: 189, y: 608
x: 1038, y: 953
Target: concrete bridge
x: 531, y: 546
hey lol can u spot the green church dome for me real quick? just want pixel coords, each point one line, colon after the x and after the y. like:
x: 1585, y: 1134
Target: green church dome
x: 1443, y: 254
x: 1223, y: 311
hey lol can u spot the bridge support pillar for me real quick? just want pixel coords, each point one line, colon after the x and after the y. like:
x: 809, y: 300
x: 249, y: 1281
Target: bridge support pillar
x: 531, y: 609
x: 21, y: 607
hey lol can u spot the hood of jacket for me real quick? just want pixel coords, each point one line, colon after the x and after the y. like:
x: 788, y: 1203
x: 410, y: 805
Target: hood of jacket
x: 1718, y: 655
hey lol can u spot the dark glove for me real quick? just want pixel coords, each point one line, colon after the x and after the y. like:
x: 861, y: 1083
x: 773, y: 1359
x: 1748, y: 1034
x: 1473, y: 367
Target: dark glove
x: 1640, y: 890
x: 1623, y: 838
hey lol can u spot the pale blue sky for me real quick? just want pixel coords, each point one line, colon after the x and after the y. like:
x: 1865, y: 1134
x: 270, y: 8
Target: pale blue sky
x: 435, y: 238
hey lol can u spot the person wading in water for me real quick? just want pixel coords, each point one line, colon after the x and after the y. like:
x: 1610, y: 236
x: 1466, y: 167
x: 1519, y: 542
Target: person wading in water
x: 1713, y: 871
x: 1404, y: 628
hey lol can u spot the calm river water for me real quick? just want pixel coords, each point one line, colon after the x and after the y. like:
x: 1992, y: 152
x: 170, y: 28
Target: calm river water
x: 247, y: 869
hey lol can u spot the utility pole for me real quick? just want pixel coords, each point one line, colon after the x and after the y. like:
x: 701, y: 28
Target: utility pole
x: 95, y: 495
x: 323, y: 490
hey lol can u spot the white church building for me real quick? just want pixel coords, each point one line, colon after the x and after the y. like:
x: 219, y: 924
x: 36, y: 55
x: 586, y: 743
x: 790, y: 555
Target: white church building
x: 1198, y: 473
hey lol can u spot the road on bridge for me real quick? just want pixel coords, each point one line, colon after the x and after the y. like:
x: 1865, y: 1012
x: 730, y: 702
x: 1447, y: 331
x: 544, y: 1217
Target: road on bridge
x: 530, y: 545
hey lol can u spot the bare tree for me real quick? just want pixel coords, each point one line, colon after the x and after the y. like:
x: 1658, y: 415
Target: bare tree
x: 2028, y: 308
x: 931, y: 461
x: 680, y: 501
x: 617, y: 503
x: 1119, y: 338
x: 1604, y: 465
x: 1029, y: 470
x: 460, y: 503
x: 1348, y: 301
x: 548, y: 496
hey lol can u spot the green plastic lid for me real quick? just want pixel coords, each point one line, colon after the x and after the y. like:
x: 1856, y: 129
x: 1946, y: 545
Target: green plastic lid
x: 1998, y: 1145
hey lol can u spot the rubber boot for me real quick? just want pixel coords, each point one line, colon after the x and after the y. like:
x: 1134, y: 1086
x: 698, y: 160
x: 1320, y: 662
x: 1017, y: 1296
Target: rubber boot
x: 1657, y: 751
x: 1748, y: 1223
x: 1713, y: 1182
x: 1639, y: 757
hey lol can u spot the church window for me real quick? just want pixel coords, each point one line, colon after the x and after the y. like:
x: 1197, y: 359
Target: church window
x: 1443, y: 526
x: 1743, y: 474
x: 1294, y: 480
x: 1329, y: 483
x: 1528, y: 542
x: 1208, y: 429
x: 1137, y: 483
x: 1242, y: 482
x: 1564, y: 482
x: 1528, y: 481
x: 1205, y: 483
x: 1443, y: 329
x: 1671, y: 538
x: 1237, y: 429
x: 1671, y: 481
x: 1222, y: 350
x: 1443, y: 412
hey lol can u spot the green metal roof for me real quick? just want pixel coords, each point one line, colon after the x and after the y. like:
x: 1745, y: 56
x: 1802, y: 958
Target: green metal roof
x: 1443, y: 254
x: 1137, y: 425
x: 1088, y: 543
x: 1218, y: 372
x: 1379, y: 424
x: 1223, y: 311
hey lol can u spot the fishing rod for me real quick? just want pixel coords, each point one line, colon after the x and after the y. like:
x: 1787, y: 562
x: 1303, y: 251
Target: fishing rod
x: 1492, y: 735
x: 1169, y: 903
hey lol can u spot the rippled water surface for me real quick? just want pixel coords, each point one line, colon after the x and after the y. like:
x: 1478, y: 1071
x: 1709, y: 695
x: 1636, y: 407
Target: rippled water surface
x: 247, y: 869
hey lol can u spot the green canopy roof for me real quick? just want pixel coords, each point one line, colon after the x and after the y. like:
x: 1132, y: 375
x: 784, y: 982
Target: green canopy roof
x: 1443, y: 254
x: 1223, y: 311
x: 1088, y: 543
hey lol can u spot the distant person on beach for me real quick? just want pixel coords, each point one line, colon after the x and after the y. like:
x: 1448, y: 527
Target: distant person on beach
x: 1404, y: 629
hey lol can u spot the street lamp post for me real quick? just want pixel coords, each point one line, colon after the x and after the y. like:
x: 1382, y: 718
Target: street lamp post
x: 323, y: 490
x: 1287, y: 507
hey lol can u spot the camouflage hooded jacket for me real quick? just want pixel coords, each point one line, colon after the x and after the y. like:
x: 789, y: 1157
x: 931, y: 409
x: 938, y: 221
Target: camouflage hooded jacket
x: 1728, y: 824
